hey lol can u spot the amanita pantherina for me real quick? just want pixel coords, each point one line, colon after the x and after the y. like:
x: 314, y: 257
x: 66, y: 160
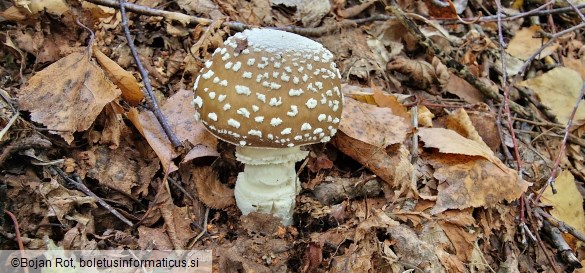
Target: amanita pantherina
x: 269, y: 92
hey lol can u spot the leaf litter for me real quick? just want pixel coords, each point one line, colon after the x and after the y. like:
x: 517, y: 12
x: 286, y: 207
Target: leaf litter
x: 372, y: 200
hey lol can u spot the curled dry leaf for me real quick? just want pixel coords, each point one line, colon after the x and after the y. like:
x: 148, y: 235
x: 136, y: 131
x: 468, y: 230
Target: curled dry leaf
x: 448, y: 141
x: 354, y: 10
x: 210, y: 191
x: 391, y: 165
x: 55, y: 7
x: 123, y: 79
x: 373, y: 125
x: 68, y: 95
x: 469, y: 173
x: 460, y: 122
x: 419, y: 73
x: 389, y: 101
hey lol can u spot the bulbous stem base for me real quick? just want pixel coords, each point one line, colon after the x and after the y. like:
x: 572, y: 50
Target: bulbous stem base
x: 269, y: 183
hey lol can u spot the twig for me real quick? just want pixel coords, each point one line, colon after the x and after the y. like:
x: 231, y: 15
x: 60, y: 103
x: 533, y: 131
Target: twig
x: 180, y: 188
x: 169, y: 15
x: 32, y: 141
x: 555, y: 168
x: 560, y: 224
x: 539, y: 241
x: 6, y: 97
x: 542, y: 123
x: 149, y: 94
x: 18, y: 237
x: 204, y: 229
x: 78, y: 184
x: 510, y: 123
x: 564, y: 250
x: 10, y: 122
x: 551, y: 40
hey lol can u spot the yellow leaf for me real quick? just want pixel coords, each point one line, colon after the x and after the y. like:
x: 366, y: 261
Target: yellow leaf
x: 567, y: 203
x: 558, y: 90
x: 123, y: 79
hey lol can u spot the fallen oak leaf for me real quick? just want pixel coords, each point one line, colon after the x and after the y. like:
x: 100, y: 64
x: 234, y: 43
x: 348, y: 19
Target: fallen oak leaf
x: 67, y: 102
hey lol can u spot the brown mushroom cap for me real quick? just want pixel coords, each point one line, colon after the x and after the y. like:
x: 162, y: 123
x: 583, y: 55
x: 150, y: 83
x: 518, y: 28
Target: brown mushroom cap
x: 270, y: 88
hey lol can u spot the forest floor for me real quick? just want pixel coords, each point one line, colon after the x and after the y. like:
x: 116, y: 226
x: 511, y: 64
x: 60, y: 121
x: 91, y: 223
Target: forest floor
x: 465, y: 186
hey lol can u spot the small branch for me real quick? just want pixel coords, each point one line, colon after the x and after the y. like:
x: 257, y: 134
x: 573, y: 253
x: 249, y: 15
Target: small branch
x: 532, y: 216
x: 169, y: 15
x: 560, y: 224
x: 78, y: 184
x: 18, y: 237
x: 203, y: 230
x: 149, y: 94
x: 555, y: 168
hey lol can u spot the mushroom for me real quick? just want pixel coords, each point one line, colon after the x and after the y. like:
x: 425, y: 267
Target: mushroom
x: 269, y: 92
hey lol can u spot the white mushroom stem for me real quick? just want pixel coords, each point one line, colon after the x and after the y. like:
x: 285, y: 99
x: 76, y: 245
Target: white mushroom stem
x: 269, y: 183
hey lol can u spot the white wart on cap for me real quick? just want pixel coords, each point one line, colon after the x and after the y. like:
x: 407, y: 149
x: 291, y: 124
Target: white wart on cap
x: 270, y: 88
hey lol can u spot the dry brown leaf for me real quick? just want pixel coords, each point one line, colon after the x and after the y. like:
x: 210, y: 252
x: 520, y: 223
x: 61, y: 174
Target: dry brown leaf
x: 460, y: 122
x: 484, y: 122
x: 420, y: 74
x: 113, y: 126
x: 558, y: 90
x: 207, y: 7
x: 445, y: 10
x: 148, y: 126
x: 448, y: 141
x: 177, y: 219
x: 392, y: 166
x: 414, y: 251
x: 525, y: 43
x: 131, y: 91
x: 13, y: 14
x: 354, y: 10
x: 389, y: 101
x: 373, y: 125
x: 68, y: 95
x: 181, y: 116
x: 463, y: 241
x: 153, y: 237
x: 461, y: 88
x: 61, y: 200
x: 114, y: 170
x: 425, y: 117
x: 210, y: 191
x: 466, y: 181
x: 469, y: 181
